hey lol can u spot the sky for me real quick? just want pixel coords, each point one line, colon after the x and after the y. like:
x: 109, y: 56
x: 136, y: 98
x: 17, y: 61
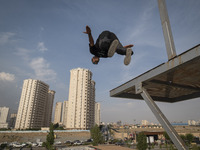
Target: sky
x: 44, y: 40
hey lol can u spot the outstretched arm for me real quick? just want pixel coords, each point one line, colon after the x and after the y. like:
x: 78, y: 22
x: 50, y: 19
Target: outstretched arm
x: 88, y: 31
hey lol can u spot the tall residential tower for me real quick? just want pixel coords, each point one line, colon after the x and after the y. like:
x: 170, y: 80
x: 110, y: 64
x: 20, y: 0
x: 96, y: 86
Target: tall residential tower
x: 80, y: 113
x: 4, y: 114
x: 35, y: 107
x: 58, y: 112
x: 97, y: 113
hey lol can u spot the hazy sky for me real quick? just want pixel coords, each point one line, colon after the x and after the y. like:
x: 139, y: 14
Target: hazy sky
x: 43, y: 39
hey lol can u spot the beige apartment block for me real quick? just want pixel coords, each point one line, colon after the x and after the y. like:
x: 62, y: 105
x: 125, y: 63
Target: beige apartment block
x: 64, y: 113
x: 144, y: 122
x: 97, y: 114
x: 35, y: 104
x: 80, y: 113
x: 12, y: 120
x: 49, y: 108
x: 4, y: 112
x: 58, y: 112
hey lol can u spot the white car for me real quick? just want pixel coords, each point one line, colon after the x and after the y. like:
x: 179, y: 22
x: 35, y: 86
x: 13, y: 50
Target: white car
x: 39, y: 144
x: 17, y: 145
x: 57, y: 143
x: 34, y: 144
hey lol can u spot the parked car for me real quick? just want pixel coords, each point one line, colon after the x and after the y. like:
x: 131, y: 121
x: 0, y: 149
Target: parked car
x: 68, y: 143
x: 119, y: 143
x: 39, y: 144
x: 57, y: 143
x: 17, y: 145
x: 89, y: 140
x: 77, y: 142
x: 34, y: 144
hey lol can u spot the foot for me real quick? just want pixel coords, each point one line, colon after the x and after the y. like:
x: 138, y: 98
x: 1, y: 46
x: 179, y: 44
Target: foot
x: 127, y: 58
x: 113, y: 48
x: 129, y: 46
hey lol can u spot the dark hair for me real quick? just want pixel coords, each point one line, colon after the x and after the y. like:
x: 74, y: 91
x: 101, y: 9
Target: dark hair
x: 96, y: 62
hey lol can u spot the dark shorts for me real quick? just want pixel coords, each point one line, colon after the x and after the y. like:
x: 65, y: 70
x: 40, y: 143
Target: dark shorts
x: 104, y: 40
x: 102, y: 45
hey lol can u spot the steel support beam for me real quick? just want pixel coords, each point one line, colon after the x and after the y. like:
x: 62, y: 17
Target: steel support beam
x: 180, y: 145
x: 169, y: 42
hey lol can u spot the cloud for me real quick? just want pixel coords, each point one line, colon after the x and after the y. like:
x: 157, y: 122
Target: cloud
x: 24, y: 53
x: 41, y: 47
x: 39, y: 65
x: 7, y: 76
x: 42, y: 70
x: 6, y: 37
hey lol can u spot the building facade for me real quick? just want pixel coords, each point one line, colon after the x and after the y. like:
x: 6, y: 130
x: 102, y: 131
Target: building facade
x: 64, y: 113
x: 80, y: 113
x: 49, y: 108
x: 144, y: 122
x: 58, y: 112
x: 34, y: 107
x: 97, y: 114
x: 4, y: 114
x: 12, y: 121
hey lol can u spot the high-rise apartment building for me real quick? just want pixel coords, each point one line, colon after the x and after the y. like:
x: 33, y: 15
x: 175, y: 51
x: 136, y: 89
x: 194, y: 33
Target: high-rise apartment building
x: 80, y: 113
x: 58, y: 112
x: 64, y: 113
x: 4, y: 112
x: 97, y: 113
x: 35, y: 104
x: 12, y: 121
x: 49, y: 108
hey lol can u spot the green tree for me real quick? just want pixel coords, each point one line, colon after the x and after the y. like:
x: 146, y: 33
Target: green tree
x: 183, y: 137
x: 50, y: 138
x: 55, y: 126
x: 189, y: 137
x: 166, y: 136
x: 96, y: 135
x: 142, y: 141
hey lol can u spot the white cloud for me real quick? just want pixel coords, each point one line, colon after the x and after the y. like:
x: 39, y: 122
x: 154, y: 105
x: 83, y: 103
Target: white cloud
x: 7, y: 76
x: 6, y: 37
x: 42, y: 70
x: 42, y: 47
x: 24, y: 53
x: 39, y: 65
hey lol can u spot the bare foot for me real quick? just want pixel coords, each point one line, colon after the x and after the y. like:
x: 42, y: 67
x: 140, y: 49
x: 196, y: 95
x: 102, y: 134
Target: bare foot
x: 129, y: 46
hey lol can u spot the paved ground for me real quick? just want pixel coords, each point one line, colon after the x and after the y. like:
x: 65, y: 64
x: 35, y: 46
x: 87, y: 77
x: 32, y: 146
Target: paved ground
x: 100, y: 147
x: 111, y: 147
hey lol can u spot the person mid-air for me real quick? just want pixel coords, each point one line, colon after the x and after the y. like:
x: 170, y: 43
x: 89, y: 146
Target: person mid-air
x: 106, y: 45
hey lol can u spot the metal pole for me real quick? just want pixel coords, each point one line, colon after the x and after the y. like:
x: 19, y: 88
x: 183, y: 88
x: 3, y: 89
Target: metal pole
x: 169, y: 42
x: 180, y: 145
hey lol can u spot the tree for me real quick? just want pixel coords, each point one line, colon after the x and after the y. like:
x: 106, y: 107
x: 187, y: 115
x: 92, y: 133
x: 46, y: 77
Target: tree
x: 96, y: 135
x: 189, y: 137
x: 183, y: 137
x: 142, y: 141
x: 55, y: 126
x: 50, y: 138
x: 166, y: 136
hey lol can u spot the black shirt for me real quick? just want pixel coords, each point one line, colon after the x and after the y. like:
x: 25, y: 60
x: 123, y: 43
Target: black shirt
x: 95, y: 50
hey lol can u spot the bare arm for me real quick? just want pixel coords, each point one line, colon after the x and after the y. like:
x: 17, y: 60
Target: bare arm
x: 88, y: 32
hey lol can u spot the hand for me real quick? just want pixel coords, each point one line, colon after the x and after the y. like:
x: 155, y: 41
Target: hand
x: 88, y: 30
x: 129, y: 46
